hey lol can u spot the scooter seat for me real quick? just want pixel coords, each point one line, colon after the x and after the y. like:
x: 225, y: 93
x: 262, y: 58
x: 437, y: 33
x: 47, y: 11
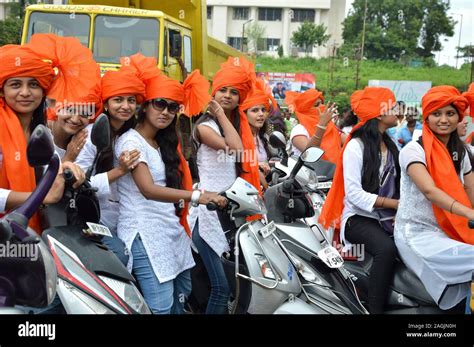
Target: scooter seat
x: 404, y: 281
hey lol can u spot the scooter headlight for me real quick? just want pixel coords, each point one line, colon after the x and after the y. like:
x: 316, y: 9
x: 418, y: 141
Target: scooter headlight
x: 305, y: 271
x: 265, y: 268
x: 128, y: 293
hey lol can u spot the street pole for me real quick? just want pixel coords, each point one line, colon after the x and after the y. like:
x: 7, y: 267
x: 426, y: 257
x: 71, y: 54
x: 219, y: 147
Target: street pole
x: 243, y: 35
x: 362, y: 46
x: 459, y: 41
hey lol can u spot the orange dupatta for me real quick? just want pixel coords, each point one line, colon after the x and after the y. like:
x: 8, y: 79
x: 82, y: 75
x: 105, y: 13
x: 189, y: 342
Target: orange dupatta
x: 440, y: 164
x: 308, y: 116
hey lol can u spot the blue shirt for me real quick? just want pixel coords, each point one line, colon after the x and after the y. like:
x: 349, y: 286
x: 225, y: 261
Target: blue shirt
x: 405, y: 135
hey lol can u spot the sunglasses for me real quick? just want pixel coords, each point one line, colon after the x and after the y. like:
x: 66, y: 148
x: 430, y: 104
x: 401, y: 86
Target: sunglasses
x: 161, y: 104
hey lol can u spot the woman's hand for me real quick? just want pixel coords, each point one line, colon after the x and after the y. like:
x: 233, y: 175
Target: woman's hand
x: 208, y: 197
x: 75, y: 145
x: 264, y: 167
x: 128, y: 160
x: 329, y: 112
x: 57, y: 189
x: 215, y: 110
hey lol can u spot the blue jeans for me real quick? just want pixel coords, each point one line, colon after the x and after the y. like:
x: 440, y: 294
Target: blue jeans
x: 220, y: 291
x: 161, y: 298
x: 117, y: 246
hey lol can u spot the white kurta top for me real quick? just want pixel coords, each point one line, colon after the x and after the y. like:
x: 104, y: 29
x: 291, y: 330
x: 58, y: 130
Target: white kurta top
x: 442, y: 264
x: 107, y: 192
x: 216, y: 173
x: 167, y: 245
x: 298, y: 130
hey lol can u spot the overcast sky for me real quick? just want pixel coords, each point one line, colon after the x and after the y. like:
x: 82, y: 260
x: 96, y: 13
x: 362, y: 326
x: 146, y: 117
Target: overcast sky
x: 448, y: 54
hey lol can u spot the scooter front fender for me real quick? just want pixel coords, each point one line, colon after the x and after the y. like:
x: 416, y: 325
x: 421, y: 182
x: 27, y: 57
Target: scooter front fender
x: 298, y: 306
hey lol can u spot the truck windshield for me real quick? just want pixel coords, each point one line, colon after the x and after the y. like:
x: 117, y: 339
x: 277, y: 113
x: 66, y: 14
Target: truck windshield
x: 116, y: 37
x: 61, y: 24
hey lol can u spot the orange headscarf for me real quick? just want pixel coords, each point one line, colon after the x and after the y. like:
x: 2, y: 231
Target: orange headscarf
x: 15, y: 172
x: 308, y: 116
x: 373, y: 102
x: 115, y: 83
x: 469, y: 95
x: 440, y: 164
x: 239, y: 73
x: 193, y: 94
x: 355, y: 98
x: 78, y: 78
x: 260, y: 94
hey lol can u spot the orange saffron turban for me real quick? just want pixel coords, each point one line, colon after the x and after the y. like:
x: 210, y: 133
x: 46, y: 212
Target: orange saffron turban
x: 440, y: 164
x: 355, y: 98
x: 78, y: 77
x: 260, y: 94
x: 302, y: 104
x: 19, y: 61
x: 469, y: 95
x: 374, y: 101
x: 119, y: 83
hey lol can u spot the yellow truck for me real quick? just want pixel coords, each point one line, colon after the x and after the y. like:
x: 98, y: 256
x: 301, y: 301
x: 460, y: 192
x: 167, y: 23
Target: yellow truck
x: 172, y: 31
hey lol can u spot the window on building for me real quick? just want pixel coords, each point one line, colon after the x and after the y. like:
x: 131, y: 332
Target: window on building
x: 235, y: 42
x: 240, y: 13
x: 302, y: 15
x: 209, y: 12
x: 269, y: 14
x: 268, y: 44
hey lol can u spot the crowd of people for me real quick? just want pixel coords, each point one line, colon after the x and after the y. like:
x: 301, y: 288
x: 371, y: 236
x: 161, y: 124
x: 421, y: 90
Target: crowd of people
x: 397, y: 195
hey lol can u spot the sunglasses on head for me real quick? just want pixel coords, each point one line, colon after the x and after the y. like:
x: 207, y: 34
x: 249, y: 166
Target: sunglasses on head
x: 161, y: 104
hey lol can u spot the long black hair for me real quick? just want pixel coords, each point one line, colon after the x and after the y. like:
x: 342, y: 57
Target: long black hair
x: 262, y: 132
x: 105, y: 162
x: 168, y: 140
x: 371, y: 137
x: 235, y: 119
x: 350, y: 120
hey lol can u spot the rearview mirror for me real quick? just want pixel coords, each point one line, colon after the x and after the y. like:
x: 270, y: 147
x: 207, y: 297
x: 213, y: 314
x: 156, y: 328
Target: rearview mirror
x: 100, y: 135
x: 40, y: 148
x: 277, y: 140
x: 312, y: 155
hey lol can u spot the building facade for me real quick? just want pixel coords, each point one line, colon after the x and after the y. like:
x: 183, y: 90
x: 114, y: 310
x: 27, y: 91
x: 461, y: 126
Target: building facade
x: 280, y: 18
x: 4, y: 5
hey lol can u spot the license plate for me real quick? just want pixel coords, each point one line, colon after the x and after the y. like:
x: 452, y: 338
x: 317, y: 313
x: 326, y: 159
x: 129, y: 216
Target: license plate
x: 331, y: 257
x: 268, y: 229
x: 324, y: 185
x: 98, y: 229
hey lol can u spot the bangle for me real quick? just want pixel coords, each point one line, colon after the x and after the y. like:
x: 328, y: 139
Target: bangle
x: 195, y: 197
x: 452, y: 204
x: 322, y: 127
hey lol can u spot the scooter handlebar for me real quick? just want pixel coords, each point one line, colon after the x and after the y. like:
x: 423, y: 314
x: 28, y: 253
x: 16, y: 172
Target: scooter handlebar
x: 69, y: 177
x: 211, y: 206
x: 471, y: 223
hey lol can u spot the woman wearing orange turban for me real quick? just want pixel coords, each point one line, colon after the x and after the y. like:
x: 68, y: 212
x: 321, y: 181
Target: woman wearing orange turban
x: 365, y: 189
x: 226, y: 150
x: 24, y: 81
x: 316, y: 127
x: 154, y: 197
x: 257, y: 107
x: 437, y: 192
x: 75, y: 91
x: 122, y: 92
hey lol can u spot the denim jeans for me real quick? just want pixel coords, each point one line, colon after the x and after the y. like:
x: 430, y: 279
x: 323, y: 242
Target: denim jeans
x: 117, y: 246
x: 220, y: 291
x: 161, y: 298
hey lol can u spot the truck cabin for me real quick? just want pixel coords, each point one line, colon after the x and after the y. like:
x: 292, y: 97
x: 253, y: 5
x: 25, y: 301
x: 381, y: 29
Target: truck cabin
x: 114, y: 32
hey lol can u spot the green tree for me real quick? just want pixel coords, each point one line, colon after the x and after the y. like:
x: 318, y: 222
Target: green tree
x: 398, y: 29
x: 309, y: 35
x: 255, y: 33
x: 280, y: 51
x: 10, y: 31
